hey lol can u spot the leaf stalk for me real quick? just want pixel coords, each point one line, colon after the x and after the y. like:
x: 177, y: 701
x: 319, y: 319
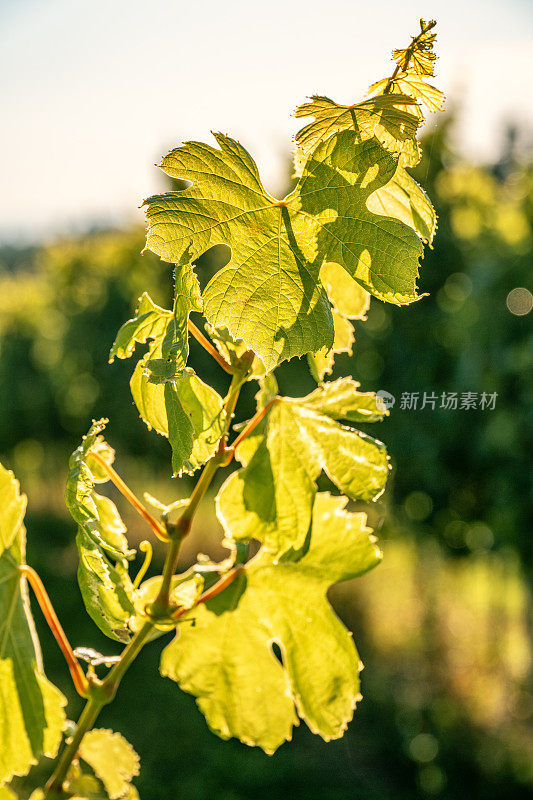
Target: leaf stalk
x: 78, y: 676
x: 115, y: 478
x: 206, y: 344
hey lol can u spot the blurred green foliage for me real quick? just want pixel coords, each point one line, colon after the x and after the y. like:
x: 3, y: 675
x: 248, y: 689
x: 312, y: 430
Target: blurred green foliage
x: 443, y: 623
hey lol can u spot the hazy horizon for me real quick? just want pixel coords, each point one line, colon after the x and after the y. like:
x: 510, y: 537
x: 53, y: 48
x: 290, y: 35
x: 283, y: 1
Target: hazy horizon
x: 96, y: 92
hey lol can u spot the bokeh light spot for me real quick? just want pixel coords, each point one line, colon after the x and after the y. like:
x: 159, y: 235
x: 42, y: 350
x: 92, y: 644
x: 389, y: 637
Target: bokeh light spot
x: 519, y: 301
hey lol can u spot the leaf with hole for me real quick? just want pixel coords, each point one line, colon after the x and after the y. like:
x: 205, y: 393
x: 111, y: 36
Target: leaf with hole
x: 226, y: 660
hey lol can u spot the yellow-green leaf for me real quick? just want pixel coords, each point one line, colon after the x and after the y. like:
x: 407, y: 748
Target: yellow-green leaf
x: 12, y: 508
x: 226, y: 660
x: 382, y: 117
x: 272, y: 497
x: 103, y: 549
x: 31, y: 708
x: 269, y: 294
x: 112, y: 758
x: 349, y: 302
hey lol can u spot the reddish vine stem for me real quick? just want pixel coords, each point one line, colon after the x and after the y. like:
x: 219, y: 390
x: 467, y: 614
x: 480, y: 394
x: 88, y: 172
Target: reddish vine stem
x: 206, y: 344
x: 218, y: 587
x: 78, y: 676
x: 115, y: 478
x: 250, y: 427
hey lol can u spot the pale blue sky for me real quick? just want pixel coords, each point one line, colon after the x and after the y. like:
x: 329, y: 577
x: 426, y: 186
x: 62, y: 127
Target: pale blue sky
x: 94, y: 92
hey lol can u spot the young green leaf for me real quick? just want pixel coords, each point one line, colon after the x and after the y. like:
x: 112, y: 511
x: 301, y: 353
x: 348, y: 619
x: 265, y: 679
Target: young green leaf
x: 152, y: 323
x: 226, y: 660
x: 112, y: 758
x: 195, y: 421
x: 83, y: 785
x: 272, y: 497
x: 269, y: 295
x: 103, y: 550
x: 419, y: 55
x: 170, y: 398
x: 385, y: 117
x: 414, y: 64
x: 31, y: 708
x: 12, y: 508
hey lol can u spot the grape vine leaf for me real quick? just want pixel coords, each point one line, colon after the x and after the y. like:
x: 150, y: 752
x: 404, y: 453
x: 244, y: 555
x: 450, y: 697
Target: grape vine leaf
x: 226, y: 660
x: 83, y: 785
x: 269, y: 294
x: 12, y: 508
x: 272, y: 497
x: 103, y: 549
x: 112, y: 758
x: 401, y: 197
x: 419, y: 55
x: 393, y: 115
x: 349, y: 302
x: 7, y: 794
x: 384, y: 117
x: 169, y: 397
x: 414, y: 64
x: 31, y: 708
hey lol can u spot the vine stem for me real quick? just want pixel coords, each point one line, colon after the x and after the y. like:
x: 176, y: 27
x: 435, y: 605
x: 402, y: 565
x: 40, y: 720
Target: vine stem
x: 125, y: 490
x: 78, y: 676
x: 183, y: 526
x: 206, y: 344
x: 250, y: 427
x: 100, y: 693
x: 53, y: 788
x: 218, y: 587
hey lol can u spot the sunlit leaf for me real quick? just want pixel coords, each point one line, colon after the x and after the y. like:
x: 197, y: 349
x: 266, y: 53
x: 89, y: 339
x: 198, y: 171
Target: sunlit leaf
x: 414, y: 65
x: 404, y: 199
x: 112, y: 758
x: 170, y: 398
x: 83, y: 785
x: 419, y: 55
x: 272, y: 497
x: 12, y: 508
x: 196, y: 421
x: 226, y: 660
x: 150, y: 322
x: 411, y: 84
x: 103, y: 549
x: 269, y: 294
x: 31, y: 708
x: 382, y: 117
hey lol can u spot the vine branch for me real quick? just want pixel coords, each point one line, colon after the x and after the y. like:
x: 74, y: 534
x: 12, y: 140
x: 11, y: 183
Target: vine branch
x: 100, y: 693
